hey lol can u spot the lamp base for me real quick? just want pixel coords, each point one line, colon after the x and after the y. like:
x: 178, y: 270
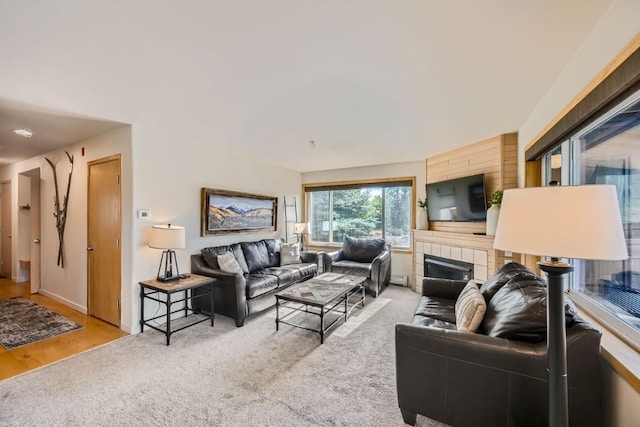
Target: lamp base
x: 556, y: 342
x: 168, y: 258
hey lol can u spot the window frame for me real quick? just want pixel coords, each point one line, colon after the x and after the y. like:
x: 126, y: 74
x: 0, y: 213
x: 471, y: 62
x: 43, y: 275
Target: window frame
x: 359, y: 184
x: 570, y: 152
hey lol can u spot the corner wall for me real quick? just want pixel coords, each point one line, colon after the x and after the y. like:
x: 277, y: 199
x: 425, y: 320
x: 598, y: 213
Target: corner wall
x: 69, y: 284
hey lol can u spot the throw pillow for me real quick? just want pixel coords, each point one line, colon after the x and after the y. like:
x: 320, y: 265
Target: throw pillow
x: 470, y: 308
x: 502, y: 276
x: 290, y: 254
x: 228, y: 263
x: 519, y: 310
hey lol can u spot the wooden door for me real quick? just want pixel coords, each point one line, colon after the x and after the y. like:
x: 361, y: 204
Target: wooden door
x: 34, y: 272
x: 103, y: 239
x: 5, y: 230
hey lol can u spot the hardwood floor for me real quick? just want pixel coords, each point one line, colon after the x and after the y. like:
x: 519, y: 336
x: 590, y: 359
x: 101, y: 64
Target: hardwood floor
x: 21, y: 359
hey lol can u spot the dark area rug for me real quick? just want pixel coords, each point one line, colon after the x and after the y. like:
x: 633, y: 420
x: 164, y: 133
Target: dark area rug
x: 22, y: 321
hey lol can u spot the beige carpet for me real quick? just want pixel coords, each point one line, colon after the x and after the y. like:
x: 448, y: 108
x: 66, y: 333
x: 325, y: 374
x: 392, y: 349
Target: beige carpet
x: 225, y: 376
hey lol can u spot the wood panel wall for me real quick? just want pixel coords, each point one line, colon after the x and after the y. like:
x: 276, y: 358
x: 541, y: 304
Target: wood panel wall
x: 496, y: 158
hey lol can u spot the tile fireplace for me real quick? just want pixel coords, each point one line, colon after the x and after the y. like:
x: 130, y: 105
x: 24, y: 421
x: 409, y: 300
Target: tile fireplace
x: 447, y: 268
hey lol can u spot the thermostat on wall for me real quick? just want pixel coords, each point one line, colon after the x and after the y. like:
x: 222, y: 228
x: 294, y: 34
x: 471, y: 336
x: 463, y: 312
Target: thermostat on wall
x: 143, y: 214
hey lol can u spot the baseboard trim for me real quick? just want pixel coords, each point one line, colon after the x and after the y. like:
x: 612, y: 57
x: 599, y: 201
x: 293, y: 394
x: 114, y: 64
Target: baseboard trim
x: 64, y: 301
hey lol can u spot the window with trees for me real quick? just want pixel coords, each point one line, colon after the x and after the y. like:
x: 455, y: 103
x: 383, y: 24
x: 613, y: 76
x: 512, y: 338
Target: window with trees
x: 369, y: 209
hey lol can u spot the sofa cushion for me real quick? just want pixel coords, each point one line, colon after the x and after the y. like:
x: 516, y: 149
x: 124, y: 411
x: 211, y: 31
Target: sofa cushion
x: 362, y: 249
x: 305, y: 270
x: 519, y: 310
x: 352, y: 267
x: 228, y: 263
x: 259, y: 284
x: 290, y: 254
x: 210, y: 255
x: 437, y: 308
x: 273, y: 250
x: 431, y: 322
x: 470, y: 308
x: 502, y: 276
x: 256, y: 255
x: 284, y: 275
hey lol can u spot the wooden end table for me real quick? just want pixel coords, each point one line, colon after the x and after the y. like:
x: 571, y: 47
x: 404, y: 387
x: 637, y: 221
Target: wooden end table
x: 151, y: 290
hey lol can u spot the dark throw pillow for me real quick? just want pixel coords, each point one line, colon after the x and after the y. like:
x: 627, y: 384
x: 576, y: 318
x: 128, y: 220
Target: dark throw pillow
x: 501, y: 277
x: 362, y: 249
x: 519, y: 310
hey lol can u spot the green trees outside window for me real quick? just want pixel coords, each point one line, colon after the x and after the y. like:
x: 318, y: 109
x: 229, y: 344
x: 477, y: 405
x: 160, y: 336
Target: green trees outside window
x: 383, y: 212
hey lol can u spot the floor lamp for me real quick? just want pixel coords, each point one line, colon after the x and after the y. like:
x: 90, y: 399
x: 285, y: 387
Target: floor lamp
x: 580, y: 222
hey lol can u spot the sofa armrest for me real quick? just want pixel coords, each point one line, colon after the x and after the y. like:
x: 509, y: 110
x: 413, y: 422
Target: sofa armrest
x: 381, y: 269
x: 199, y: 266
x: 328, y: 258
x: 443, y: 288
x: 230, y: 294
x: 312, y: 257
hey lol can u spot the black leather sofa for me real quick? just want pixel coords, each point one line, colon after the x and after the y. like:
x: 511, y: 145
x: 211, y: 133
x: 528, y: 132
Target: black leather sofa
x: 240, y: 295
x: 480, y: 379
x: 370, y: 258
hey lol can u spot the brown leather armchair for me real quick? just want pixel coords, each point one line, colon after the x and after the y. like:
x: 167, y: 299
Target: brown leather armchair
x: 473, y: 379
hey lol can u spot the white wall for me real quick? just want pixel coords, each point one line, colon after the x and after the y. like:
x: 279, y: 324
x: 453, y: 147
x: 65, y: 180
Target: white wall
x: 618, y: 26
x: 171, y: 165
x: 401, y: 263
x: 614, y: 31
x: 69, y: 284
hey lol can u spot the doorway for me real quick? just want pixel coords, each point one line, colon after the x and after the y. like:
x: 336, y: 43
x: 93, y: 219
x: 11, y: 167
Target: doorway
x: 6, y: 259
x: 104, y: 226
x: 28, y: 236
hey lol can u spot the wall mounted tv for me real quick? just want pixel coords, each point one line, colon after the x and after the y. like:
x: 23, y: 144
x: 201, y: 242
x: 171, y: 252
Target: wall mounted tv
x: 460, y: 199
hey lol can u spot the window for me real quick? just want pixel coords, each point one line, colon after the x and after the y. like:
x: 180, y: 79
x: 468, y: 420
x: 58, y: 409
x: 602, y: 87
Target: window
x: 369, y: 209
x: 608, y: 152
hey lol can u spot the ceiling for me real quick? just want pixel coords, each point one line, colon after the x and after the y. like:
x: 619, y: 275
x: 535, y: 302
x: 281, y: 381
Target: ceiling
x: 51, y: 130
x: 369, y: 81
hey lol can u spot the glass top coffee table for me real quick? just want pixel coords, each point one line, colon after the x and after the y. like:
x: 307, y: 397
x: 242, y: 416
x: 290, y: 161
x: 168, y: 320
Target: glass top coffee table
x: 324, y: 294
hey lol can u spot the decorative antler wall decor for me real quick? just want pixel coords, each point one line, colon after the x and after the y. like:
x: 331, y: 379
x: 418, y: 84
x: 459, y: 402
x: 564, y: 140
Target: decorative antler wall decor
x: 61, y: 212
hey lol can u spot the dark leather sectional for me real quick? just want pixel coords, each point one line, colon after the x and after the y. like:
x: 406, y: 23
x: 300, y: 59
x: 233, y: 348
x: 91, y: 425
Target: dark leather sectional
x: 498, y: 375
x: 240, y: 295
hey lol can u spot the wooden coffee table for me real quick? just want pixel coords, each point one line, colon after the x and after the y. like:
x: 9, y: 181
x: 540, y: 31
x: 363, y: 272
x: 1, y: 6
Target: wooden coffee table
x: 326, y: 293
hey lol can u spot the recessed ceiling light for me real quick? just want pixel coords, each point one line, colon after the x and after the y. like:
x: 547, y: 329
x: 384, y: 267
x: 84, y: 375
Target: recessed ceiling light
x: 22, y: 132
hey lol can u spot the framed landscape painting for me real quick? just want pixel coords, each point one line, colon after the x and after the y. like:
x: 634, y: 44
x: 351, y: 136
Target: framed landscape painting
x: 234, y: 212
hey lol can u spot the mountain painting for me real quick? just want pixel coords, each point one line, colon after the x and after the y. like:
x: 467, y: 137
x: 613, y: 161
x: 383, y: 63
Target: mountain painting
x: 229, y: 212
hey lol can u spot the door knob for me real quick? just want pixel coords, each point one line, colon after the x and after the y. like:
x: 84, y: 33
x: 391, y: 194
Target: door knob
x: 36, y: 240
x: 89, y: 248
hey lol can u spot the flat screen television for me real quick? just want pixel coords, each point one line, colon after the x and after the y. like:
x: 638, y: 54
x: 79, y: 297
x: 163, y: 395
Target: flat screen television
x: 459, y: 199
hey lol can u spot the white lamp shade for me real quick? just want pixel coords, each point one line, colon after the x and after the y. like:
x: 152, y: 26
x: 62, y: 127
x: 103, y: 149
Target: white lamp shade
x: 167, y: 236
x: 581, y: 222
x: 301, y: 228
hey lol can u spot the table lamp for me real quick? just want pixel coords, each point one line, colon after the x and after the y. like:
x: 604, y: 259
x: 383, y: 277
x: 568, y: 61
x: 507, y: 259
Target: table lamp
x: 167, y: 237
x: 581, y: 222
x: 301, y: 228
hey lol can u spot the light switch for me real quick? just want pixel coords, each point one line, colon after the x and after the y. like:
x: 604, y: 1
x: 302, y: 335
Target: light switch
x: 143, y: 214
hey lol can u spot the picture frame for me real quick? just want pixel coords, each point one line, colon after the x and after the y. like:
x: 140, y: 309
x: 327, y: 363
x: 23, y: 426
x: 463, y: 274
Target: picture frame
x: 224, y: 211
